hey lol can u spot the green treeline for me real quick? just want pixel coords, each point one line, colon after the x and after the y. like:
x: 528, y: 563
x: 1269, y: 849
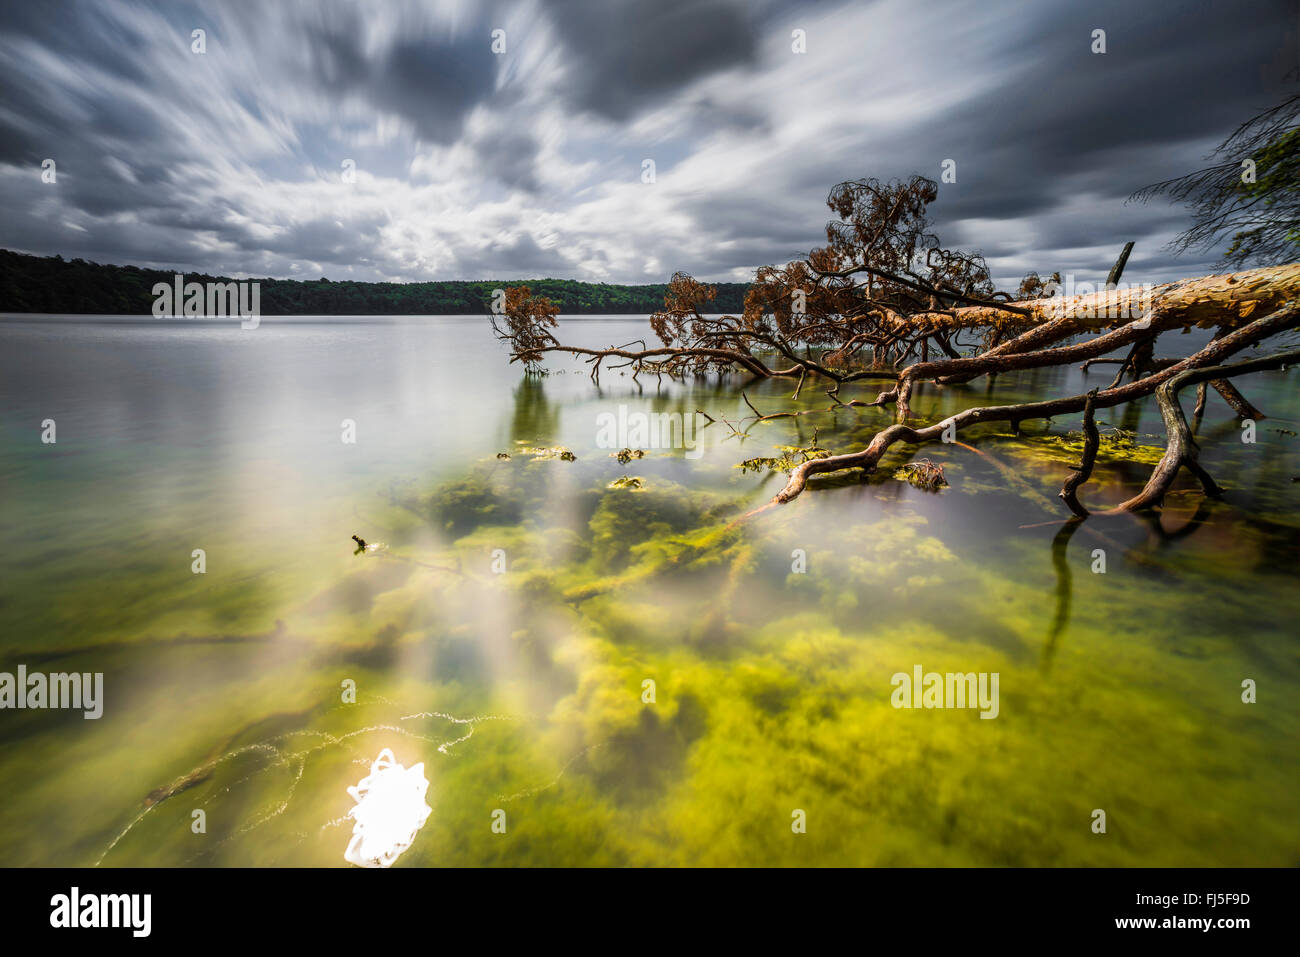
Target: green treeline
x: 53, y: 284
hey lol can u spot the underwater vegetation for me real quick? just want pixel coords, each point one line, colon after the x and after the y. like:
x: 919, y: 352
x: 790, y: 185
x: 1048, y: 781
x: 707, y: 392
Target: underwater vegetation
x: 634, y: 674
x: 649, y: 683
x: 1116, y: 445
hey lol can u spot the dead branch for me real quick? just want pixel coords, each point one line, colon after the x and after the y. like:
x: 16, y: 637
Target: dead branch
x: 1181, y: 451
x: 1083, y: 470
x: 1284, y: 318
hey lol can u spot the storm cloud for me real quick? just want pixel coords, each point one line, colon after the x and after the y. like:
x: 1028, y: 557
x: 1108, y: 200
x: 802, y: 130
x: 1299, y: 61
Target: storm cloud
x: 410, y: 140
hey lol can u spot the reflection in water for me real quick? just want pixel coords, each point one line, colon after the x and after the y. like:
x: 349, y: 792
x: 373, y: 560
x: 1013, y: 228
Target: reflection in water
x: 505, y: 633
x: 1161, y: 536
x: 1064, y: 586
x: 535, y: 420
x: 1158, y: 538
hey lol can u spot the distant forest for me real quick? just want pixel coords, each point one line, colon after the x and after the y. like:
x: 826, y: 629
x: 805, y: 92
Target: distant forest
x: 53, y: 284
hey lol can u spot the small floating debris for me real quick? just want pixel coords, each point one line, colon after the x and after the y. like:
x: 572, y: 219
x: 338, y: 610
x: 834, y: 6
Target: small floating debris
x: 389, y: 812
x: 195, y: 777
x: 370, y: 548
x: 627, y: 455
x: 627, y: 482
x: 923, y: 474
x: 554, y: 452
x: 504, y: 455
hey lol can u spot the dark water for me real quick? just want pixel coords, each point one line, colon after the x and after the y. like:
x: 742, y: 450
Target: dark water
x: 523, y: 690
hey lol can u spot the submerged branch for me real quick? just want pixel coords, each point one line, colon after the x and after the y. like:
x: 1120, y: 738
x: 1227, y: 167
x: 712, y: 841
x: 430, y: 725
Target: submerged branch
x: 1182, y: 450
x: 1285, y: 318
x: 1091, y: 441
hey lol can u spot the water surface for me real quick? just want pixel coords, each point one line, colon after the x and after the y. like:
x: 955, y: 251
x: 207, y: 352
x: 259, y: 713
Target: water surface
x: 523, y: 690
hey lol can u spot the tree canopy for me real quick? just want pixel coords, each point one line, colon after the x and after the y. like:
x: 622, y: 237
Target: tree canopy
x: 1250, y: 195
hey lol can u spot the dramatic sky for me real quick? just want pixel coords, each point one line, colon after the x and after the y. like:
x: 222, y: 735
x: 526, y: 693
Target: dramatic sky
x: 472, y: 164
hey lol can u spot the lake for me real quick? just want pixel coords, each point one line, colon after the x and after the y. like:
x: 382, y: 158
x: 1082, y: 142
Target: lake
x: 629, y: 674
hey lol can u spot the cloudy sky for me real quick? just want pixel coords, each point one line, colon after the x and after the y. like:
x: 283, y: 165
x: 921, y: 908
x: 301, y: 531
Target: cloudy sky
x: 476, y: 164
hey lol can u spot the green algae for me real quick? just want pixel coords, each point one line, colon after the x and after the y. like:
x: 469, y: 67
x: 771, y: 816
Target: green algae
x: 770, y: 644
x: 791, y: 456
x: 463, y: 505
x: 776, y: 710
x: 1115, y: 445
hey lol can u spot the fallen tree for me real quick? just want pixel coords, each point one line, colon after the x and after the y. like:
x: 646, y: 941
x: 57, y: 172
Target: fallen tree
x: 1254, y: 332
x: 884, y: 301
x: 1134, y: 315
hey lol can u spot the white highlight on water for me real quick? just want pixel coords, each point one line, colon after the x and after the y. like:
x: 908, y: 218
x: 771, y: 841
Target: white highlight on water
x: 296, y: 762
x: 389, y: 812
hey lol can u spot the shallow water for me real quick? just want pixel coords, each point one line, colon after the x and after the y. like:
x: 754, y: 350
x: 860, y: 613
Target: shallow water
x: 523, y: 690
